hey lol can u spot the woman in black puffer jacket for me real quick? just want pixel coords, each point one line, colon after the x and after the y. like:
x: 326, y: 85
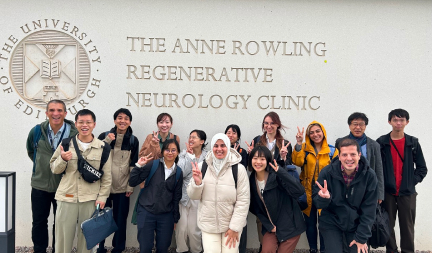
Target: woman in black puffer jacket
x: 274, y: 194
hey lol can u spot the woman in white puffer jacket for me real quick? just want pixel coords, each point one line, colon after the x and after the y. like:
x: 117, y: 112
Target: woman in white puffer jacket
x: 223, y: 207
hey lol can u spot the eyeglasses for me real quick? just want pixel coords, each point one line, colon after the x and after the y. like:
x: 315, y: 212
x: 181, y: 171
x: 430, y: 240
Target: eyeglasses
x: 269, y: 124
x: 88, y: 123
x: 361, y: 125
x: 193, y: 137
x: 172, y: 151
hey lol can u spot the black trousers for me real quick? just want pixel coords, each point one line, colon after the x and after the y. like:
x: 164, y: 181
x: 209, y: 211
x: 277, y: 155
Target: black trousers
x: 335, y: 239
x: 243, y: 240
x: 405, y: 208
x: 41, y: 202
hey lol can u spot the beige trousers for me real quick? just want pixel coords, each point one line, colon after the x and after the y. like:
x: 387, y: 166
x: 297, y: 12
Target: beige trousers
x: 215, y: 243
x: 187, y: 227
x: 66, y: 225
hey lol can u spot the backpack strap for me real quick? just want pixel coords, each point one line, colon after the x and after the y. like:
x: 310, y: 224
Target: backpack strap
x: 204, y: 169
x: 234, y: 170
x: 131, y: 141
x: 153, y: 169
x: 332, y: 151
x: 65, y: 144
x: 105, y: 155
x: 178, y: 173
x: 305, y: 160
x: 36, y: 137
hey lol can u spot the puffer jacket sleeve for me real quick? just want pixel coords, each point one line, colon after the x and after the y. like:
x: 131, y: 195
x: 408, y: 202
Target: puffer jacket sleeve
x: 105, y: 185
x: 298, y: 156
x: 195, y: 191
x: 241, y: 207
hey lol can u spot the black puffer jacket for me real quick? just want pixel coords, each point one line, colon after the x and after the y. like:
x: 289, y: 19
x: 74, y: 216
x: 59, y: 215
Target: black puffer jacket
x: 280, y: 196
x: 414, y: 165
x: 351, y: 209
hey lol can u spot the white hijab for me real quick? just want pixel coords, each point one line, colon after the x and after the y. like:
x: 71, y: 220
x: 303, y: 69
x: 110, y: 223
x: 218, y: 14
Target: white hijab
x: 218, y: 164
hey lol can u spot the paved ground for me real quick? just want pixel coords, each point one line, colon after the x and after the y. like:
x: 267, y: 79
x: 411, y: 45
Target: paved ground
x: 172, y: 250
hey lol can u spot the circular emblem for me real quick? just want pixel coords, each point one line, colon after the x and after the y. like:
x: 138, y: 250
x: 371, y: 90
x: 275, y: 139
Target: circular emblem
x: 49, y: 65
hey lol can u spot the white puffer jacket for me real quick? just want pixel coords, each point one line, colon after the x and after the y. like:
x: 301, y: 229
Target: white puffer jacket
x: 221, y: 206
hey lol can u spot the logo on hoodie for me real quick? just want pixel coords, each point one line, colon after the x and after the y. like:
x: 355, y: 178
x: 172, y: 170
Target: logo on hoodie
x: 50, y: 59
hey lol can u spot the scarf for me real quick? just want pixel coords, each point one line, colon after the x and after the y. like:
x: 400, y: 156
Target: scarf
x: 361, y: 140
x: 218, y: 164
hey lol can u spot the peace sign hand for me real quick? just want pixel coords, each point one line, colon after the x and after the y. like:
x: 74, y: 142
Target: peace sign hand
x: 196, y: 173
x: 275, y: 166
x: 284, y: 150
x: 323, y: 193
x: 144, y: 159
x: 250, y: 147
x: 236, y: 145
x: 189, y: 148
x: 155, y: 138
x: 299, y: 136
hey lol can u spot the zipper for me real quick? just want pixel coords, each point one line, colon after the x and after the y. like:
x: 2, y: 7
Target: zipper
x: 262, y: 199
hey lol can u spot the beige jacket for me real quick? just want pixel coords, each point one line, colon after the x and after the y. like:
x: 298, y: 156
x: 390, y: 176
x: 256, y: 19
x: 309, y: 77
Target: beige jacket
x: 221, y: 206
x: 120, y: 166
x: 72, y: 187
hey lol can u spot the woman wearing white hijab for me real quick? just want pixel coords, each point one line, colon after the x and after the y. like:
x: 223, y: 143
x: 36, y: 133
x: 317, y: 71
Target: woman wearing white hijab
x: 223, y: 206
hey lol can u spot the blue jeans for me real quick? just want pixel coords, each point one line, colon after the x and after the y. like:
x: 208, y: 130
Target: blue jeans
x: 148, y: 224
x: 312, y: 231
x: 120, y: 205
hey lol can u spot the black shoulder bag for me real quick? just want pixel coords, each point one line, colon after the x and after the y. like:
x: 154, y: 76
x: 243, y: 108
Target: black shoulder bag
x: 88, y: 172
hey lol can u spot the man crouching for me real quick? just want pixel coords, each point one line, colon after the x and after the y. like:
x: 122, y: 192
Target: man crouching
x: 346, y: 191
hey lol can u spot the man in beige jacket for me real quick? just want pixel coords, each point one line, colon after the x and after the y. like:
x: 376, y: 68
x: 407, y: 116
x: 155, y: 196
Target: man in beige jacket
x: 124, y: 153
x: 76, y: 198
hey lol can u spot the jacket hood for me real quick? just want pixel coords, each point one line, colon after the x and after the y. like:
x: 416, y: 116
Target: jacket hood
x: 324, y: 146
x: 233, y: 157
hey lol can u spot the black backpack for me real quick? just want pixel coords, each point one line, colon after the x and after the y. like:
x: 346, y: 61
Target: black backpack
x: 380, y: 229
x: 234, y: 171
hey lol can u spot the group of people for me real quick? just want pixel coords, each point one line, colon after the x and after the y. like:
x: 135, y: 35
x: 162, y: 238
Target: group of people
x: 204, y: 196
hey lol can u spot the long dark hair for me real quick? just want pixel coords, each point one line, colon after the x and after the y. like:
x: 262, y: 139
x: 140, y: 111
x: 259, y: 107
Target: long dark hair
x: 276, y: 120
x: 167, y: 143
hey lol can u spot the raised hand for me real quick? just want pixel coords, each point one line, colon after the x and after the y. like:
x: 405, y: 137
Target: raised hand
x: 236, y: 145
x: 66, y: 156
x: 249, y: 147
x: 323, y: 193
x: 284, y: 150
x: 111, y: 136
x: 155, y: 138
x: 299, y: 136
x: 189, y: 148
x: 144, y: 159
x: 196, y: 173
x: 361, y: 248
x: 275, y: 166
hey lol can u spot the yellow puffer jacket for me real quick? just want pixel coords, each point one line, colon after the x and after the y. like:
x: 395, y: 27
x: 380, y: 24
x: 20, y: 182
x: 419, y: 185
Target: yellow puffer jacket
x: 314, y: 163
